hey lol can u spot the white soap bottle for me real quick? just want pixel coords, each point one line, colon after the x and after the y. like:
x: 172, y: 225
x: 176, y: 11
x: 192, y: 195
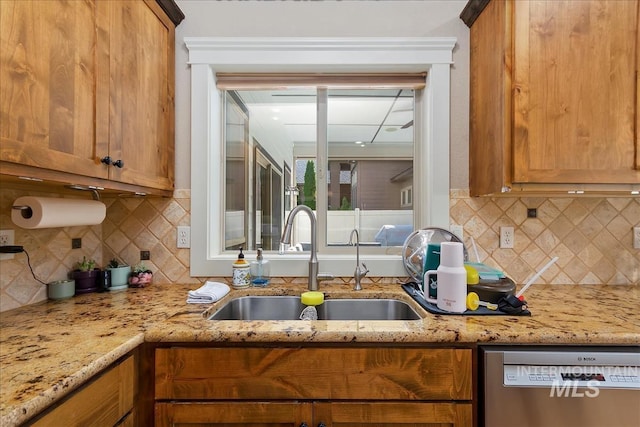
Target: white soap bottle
x: 452, y: 278
x: 260, y: 270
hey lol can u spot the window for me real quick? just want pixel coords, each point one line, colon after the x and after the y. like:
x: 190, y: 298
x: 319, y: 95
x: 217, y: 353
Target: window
x: 210, y: 56
x: 405, y: 197
x: 368, y: 132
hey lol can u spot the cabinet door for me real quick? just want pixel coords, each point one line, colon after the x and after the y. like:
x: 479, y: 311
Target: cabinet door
x: 575, y: 92
x: 254, y: 414
x: 490, y: 157
x: 141, y: 82
x: 392, y: 414
x: 48, y: 66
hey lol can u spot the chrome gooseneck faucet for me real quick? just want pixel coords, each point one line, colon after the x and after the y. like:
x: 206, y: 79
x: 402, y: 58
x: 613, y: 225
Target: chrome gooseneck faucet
x: 286, y: 238
x: 360, y: 272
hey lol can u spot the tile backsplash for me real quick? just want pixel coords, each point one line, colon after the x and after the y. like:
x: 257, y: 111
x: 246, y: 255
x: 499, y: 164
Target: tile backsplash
x: 591, y: 236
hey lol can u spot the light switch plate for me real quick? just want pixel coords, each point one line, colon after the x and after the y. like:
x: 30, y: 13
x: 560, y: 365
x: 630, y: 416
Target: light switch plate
x: 636, y: 237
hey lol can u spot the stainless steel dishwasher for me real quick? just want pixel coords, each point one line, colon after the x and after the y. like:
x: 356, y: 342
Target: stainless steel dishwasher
x: 538, y: 386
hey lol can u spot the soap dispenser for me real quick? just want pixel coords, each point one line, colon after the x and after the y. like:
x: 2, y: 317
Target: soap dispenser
x: 241, y: 276
x: 260, y: 270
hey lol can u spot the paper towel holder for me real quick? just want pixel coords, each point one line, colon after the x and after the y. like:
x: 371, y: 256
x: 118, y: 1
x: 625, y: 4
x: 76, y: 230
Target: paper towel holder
x: 93, y: 189
x: 27, y: 212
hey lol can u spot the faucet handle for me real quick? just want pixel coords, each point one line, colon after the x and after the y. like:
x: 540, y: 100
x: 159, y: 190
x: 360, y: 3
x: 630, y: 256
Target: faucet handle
x: 361, y: 271
x: 324, y: 276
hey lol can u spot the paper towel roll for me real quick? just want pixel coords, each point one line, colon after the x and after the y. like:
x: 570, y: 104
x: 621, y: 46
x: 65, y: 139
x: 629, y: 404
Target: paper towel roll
x: 51, y: 212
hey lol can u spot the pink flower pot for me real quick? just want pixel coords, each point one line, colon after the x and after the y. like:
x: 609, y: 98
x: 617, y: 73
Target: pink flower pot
x: 140, y: 280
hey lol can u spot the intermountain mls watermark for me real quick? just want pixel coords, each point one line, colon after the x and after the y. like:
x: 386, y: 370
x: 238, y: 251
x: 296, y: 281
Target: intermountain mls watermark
x: 580, y: 381
x: 573, y: 389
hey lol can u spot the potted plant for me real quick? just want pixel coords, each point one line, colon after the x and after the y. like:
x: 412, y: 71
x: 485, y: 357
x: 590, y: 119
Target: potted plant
x: 119, y: 274
x: 85, y: 276
x: 140, y: 277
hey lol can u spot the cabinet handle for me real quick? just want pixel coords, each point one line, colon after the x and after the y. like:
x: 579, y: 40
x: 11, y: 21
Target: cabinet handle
x: 107, y: 160
x: 321, y: 424
x: 304, y: 424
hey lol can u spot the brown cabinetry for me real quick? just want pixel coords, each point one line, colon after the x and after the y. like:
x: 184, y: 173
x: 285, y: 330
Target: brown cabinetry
x: 106, y: 401
x: 48, y: 69
x: 554, y: 96
x: 83, y: 81
x: 292, y: 386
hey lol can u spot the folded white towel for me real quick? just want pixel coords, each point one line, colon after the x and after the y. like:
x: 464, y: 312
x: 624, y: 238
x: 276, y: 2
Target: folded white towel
x: 208, y: 293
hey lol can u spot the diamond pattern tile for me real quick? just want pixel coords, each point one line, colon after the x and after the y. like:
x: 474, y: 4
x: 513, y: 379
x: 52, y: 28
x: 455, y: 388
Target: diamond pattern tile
x: 591, y: 236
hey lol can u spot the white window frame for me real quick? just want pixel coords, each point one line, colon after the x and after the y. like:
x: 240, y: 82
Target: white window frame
x: 209, y: 55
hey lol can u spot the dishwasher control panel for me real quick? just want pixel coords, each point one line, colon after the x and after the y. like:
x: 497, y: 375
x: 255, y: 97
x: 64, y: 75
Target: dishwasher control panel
x: 627, y: 377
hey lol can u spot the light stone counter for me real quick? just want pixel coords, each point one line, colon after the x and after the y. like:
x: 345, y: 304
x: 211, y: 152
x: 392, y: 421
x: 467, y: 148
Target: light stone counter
x: 50, y: 349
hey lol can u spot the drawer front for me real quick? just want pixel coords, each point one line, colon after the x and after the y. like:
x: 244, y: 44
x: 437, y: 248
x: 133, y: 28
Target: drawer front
x: 238, y: 414
x: 100, y: 403
x: 313, y: 373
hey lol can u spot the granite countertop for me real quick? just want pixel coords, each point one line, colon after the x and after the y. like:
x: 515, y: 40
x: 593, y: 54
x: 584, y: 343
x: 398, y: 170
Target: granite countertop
x: 49, y: 349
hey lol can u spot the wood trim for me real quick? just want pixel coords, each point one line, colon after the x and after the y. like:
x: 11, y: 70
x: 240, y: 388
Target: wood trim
x: 57, y: 181
x: 472, y: 10
x: 172, y: 10
x: 637, y: 112
x: 146, y: 372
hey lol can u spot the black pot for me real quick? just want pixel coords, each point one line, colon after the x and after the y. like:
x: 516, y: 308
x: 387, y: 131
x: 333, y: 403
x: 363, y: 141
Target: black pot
x: 86, y: 281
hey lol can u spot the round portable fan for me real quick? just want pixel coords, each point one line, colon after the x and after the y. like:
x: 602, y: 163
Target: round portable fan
x: 415, y: 246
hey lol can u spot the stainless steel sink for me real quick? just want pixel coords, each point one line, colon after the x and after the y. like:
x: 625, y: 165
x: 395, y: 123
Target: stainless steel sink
x: 366, y: 309
x: 290, y: 307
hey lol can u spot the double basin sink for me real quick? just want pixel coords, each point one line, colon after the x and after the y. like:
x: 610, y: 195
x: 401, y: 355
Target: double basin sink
x: 290, y: 307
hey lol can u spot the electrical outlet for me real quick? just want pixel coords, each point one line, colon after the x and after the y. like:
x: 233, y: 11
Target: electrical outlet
x: 506, y: 237
x: 145, y: 255
x: 184, y: 236
x: 7, y: 238
x: 636, y: 237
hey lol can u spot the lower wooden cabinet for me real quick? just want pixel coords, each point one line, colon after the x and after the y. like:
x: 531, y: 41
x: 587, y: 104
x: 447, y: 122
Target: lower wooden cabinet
x: 106, y: 401
x: 298, y: 414
x: 308, y: 386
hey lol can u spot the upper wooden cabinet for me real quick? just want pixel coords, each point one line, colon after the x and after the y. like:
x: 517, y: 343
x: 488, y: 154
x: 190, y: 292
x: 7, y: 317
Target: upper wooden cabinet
x: 554, y: 96
x: 48, y: 70
x: 87, y: 80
